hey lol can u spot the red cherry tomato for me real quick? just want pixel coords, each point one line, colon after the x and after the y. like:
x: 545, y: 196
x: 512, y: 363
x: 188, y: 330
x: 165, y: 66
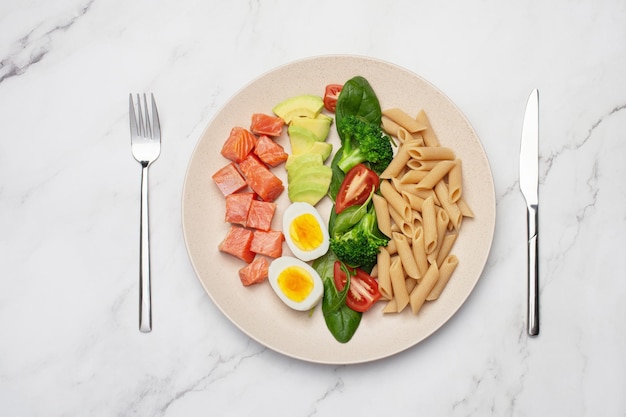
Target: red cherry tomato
x: 356, y: 187
x: 363, y: 291
x: 330, y: 96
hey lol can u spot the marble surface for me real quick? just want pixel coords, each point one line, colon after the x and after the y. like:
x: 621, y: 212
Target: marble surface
x: 69, y: 204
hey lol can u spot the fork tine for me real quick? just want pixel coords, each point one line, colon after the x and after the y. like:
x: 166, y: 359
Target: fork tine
x: 156, y: 124
x: 140, y: 113
x: 133, y: 118
x: 147, y: 128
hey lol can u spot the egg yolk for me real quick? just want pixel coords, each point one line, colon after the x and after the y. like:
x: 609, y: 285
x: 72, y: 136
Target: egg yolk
x: 296, y: 283
x: 305, y: 232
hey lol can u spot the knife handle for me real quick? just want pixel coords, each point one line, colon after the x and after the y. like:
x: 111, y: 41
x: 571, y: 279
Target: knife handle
x: 533, y: 270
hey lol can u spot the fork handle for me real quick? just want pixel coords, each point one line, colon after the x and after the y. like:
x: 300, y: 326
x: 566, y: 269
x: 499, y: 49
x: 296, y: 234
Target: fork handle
x: 145, y: 298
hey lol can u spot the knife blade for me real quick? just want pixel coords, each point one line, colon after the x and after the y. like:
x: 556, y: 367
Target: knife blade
x: 529, y: 185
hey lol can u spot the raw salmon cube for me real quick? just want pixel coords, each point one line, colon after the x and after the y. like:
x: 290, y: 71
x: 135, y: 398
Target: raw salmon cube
x: 265, y: 124
x: 261, y: 214
x: 255, y: 272
x: 238, y: 242
x: 270, y: 152
x: 228, y: 179
x: 239, y: 144
x: 260, y: 179
x: 237, y: 207
x: 269, y: 243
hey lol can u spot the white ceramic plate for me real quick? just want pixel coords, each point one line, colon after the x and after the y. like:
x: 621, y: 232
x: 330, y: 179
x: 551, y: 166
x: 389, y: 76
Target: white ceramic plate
x: 256, y: 310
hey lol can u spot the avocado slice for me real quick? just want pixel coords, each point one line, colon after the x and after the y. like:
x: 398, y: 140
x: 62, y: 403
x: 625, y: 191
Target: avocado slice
x: 296, y: 161
x: 309, y: 174
x: 319, y: 126
x: 301, y: 139
x: 322, y: 148
x: 305, y: 105
x: 310, y: 185
x: 311, y: 194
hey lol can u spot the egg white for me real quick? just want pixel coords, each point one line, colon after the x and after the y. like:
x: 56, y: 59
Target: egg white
x: 295, y: 210
x: 280, y: 264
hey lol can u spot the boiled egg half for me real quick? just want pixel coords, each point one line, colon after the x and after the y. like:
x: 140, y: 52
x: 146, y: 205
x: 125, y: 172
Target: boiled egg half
x: 295, y: 282
x: 305, y: 232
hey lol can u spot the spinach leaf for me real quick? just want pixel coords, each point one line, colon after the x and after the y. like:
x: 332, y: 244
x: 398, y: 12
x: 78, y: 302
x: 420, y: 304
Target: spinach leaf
x: 338, y: 176
x: 342, y: 321
x: 358, y: 98
x: 347, y: 219
x: 325, y: 265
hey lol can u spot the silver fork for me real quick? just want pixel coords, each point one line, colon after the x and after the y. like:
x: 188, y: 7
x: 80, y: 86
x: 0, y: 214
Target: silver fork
x: 145, y: 141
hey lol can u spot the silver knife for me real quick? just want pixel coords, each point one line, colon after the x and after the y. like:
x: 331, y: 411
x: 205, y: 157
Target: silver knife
x: 529, y: 185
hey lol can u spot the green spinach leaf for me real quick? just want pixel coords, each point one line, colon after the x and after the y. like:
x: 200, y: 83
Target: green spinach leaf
x: 358, y: 98
x: 348, y: 218
x: 342, y: 321
x: 338, y: 176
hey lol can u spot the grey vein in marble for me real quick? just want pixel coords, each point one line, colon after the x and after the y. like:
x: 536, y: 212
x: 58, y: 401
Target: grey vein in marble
x: 338, y: 386
x: 231, y: 363
x: 34, y: 46
x: 572, y: 146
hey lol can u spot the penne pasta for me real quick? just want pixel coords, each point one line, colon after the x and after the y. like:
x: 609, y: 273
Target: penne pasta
x: 384, y: 277
x: 412, y: 189
x: 418, y: 138
x: 403, y: 187
x: 414, y: 201
x: 419, y: 253
x: 417, y: 221
x: 435, y: 175
x: 410, y: 285
x: 395, y: 200
x: 400, y: 293
x: 412, y: 177
x: 445, y: 272
x: 389, y: 126
x: 391, y: 247
x: 441, y: 190
x: 466, y: 211
x: 420, y: 165
x: 398, y: 163
x: 374, y: 272
x: 420, y: 206
x: 405, y: 136
x: 406, y: 256
x: 382, y: 214
x: 429, y: 225
x: 432, y: 153
x: 455, y: 187
x: 442, y: 221
x: 403, y: 119
x: 400, y: 224
x: 413, y: 145
x: 391, y: 306
x: 446, y: 247
x: 418, y: 296
x: 430, y: 138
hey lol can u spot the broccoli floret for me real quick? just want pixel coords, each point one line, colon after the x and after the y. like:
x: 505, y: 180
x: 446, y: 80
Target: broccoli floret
x: 362, y: 141
x: 359, y: 246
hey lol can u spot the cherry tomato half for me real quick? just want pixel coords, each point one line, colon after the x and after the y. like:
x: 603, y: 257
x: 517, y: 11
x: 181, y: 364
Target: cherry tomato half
x: 363, y: 291
x: 330, y: 96
x: 356, y: 187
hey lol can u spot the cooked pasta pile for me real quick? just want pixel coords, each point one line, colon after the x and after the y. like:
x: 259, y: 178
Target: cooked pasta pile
x: 421, y: 208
